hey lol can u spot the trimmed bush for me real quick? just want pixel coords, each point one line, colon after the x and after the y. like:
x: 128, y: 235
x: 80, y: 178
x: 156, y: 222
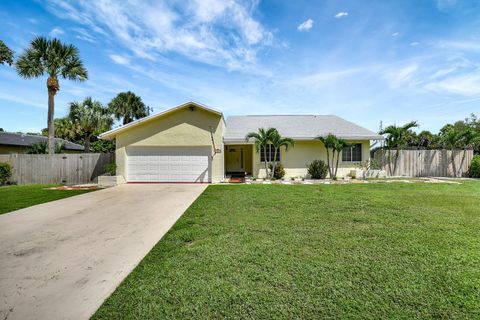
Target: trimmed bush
x: 111, y: 169
x: 474, y: 170
x: 318, y: 169
x: 5, y: 172
x: 279, y: 171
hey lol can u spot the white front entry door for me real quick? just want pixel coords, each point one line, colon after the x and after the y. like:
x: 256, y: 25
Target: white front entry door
x: 168, y: 164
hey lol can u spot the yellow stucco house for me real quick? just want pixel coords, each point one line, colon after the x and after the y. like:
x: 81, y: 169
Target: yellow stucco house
x: 195, y: 143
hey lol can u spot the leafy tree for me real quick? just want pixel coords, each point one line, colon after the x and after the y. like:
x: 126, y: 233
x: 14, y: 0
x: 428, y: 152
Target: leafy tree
x: 103, y: 146
x: 56, y: 60
x: 396, y: 139
x: 6, y: 54
x: 90, y: 117
x: 128, y: 106
x: 262, y: 139
x: 277, y: 141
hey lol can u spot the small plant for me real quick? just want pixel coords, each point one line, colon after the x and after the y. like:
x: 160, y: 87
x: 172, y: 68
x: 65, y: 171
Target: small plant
x: 474, y: 170
x: 318, y: 169
x: 111, y: 169
x: 5, y: 172
x: 371, y: 164
x: 279, y: 171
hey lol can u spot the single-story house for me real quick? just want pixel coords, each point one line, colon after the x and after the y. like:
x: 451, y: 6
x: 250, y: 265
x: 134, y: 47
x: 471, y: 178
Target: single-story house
x: 18, y: 143
x: 195, y: 143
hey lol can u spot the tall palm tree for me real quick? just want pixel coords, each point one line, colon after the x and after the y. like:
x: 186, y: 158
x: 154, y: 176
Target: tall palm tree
x: 278, y: 142
x: 396, y: 139
x: 452, y: 139
x: 262, y: 139
x: 128, y: 106
x: 329, y: 141
x: 55, y: 59
x: 90, y: 117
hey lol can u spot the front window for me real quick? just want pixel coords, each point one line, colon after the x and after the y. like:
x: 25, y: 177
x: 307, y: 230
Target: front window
x: 352, y: 153
x: 270, y: 153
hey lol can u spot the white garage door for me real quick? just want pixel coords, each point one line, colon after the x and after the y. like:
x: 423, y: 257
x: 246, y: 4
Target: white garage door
x: 168, y: 164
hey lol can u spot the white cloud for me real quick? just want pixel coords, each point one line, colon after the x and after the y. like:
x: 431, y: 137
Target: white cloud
x: 395, y: 34
x: 120, y: 59
x: 56, y: 32
x: 402, y: 77
x: 84, y: 35
x: 216, y: 32
x: 466, y: 84
x: 414, y: 43
x: 305, y: 25
x: 341, y: 15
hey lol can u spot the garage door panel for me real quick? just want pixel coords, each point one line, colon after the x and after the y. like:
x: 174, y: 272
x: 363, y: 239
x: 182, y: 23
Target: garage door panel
x: 168, y: 164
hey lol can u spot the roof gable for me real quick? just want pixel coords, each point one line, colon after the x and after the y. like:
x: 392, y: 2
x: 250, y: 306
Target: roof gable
x: 112, y: 133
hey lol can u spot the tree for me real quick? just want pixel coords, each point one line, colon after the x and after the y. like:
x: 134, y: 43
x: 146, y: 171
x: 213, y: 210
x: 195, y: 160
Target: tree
x: 262, y: 139
x: 334, y: 147
x: 128, y: 106
x: 56, y: 60
x: 6, y: 54
x: 396, y: 139
x: 452, y: 139
x: 277, y: 141
x: 339, y: 145
x: 89, y: 117
x: 42, y: 148
x: 470, y: 140
x: 66, y: 129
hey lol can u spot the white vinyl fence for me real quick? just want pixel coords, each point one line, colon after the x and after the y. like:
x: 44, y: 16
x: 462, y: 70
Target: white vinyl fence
x: 425, y: 163
x: 58, y: 168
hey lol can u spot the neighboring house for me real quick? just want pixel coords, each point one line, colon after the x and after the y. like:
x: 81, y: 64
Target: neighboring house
x: 194, y: 143
x: 19, y: 143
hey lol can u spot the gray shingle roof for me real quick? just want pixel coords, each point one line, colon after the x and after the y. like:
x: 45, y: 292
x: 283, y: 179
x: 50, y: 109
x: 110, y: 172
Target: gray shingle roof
x: 18, y: 139
x: 300, y: 127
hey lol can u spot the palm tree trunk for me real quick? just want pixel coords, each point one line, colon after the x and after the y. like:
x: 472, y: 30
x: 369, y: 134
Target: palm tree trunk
x: 336, y: 166
x: 397, y: 155
x: 454, y: 167
x: 50, y: 124
x: 329, y: 166
x: 274, y: 163
x: 266, y: 163
x: 87, y: 144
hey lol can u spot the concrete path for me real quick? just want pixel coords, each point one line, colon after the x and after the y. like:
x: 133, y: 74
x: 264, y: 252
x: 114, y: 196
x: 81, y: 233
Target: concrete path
x: 61, y: 259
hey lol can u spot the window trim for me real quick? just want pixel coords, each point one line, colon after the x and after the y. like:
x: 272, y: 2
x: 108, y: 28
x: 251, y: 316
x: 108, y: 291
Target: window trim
x: 352, y: 153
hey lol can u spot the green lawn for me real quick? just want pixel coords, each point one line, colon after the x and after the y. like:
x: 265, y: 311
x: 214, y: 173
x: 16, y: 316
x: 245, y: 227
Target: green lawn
x: 18, y: 197
x: 368, y: 251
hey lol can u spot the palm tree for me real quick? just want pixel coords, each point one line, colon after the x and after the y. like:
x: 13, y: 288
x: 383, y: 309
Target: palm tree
x: 66, y: 129
x: 339, y: 145
x: 329, y: 141
x: 128, y: 106
x: 396, y: 139
x: 6, y: 54
x: 452, y: 139
x: 262, y: 139
x: 278, y: 142
x: 55, y: 59
x: 90, y: 117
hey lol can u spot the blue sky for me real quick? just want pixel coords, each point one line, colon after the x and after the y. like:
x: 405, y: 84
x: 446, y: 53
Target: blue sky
x: 366, y: 61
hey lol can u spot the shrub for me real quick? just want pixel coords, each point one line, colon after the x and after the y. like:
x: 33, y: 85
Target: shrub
x: 5, y: 172
x: 474, y: 170
x: 111, y: 169
x: 318, y: 169
x: 279, y: 171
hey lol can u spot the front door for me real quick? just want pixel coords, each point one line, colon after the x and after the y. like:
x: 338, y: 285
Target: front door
x: 235, y: 159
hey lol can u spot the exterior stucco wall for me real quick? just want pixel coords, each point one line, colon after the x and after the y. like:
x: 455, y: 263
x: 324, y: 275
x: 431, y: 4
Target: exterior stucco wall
x: 296, y: 159
x: 181, y: 128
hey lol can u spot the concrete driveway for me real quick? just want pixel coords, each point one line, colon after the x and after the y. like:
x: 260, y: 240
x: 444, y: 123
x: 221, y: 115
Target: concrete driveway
x: 61, y: 259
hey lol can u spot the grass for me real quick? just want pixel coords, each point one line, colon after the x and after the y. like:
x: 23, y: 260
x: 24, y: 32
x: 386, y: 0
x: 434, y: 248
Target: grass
x: 371, y: 251
x: 19, y: 197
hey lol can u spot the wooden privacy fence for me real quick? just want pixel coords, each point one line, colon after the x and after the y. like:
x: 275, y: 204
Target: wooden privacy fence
x: 58, y: 168
x: 425, y: 163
